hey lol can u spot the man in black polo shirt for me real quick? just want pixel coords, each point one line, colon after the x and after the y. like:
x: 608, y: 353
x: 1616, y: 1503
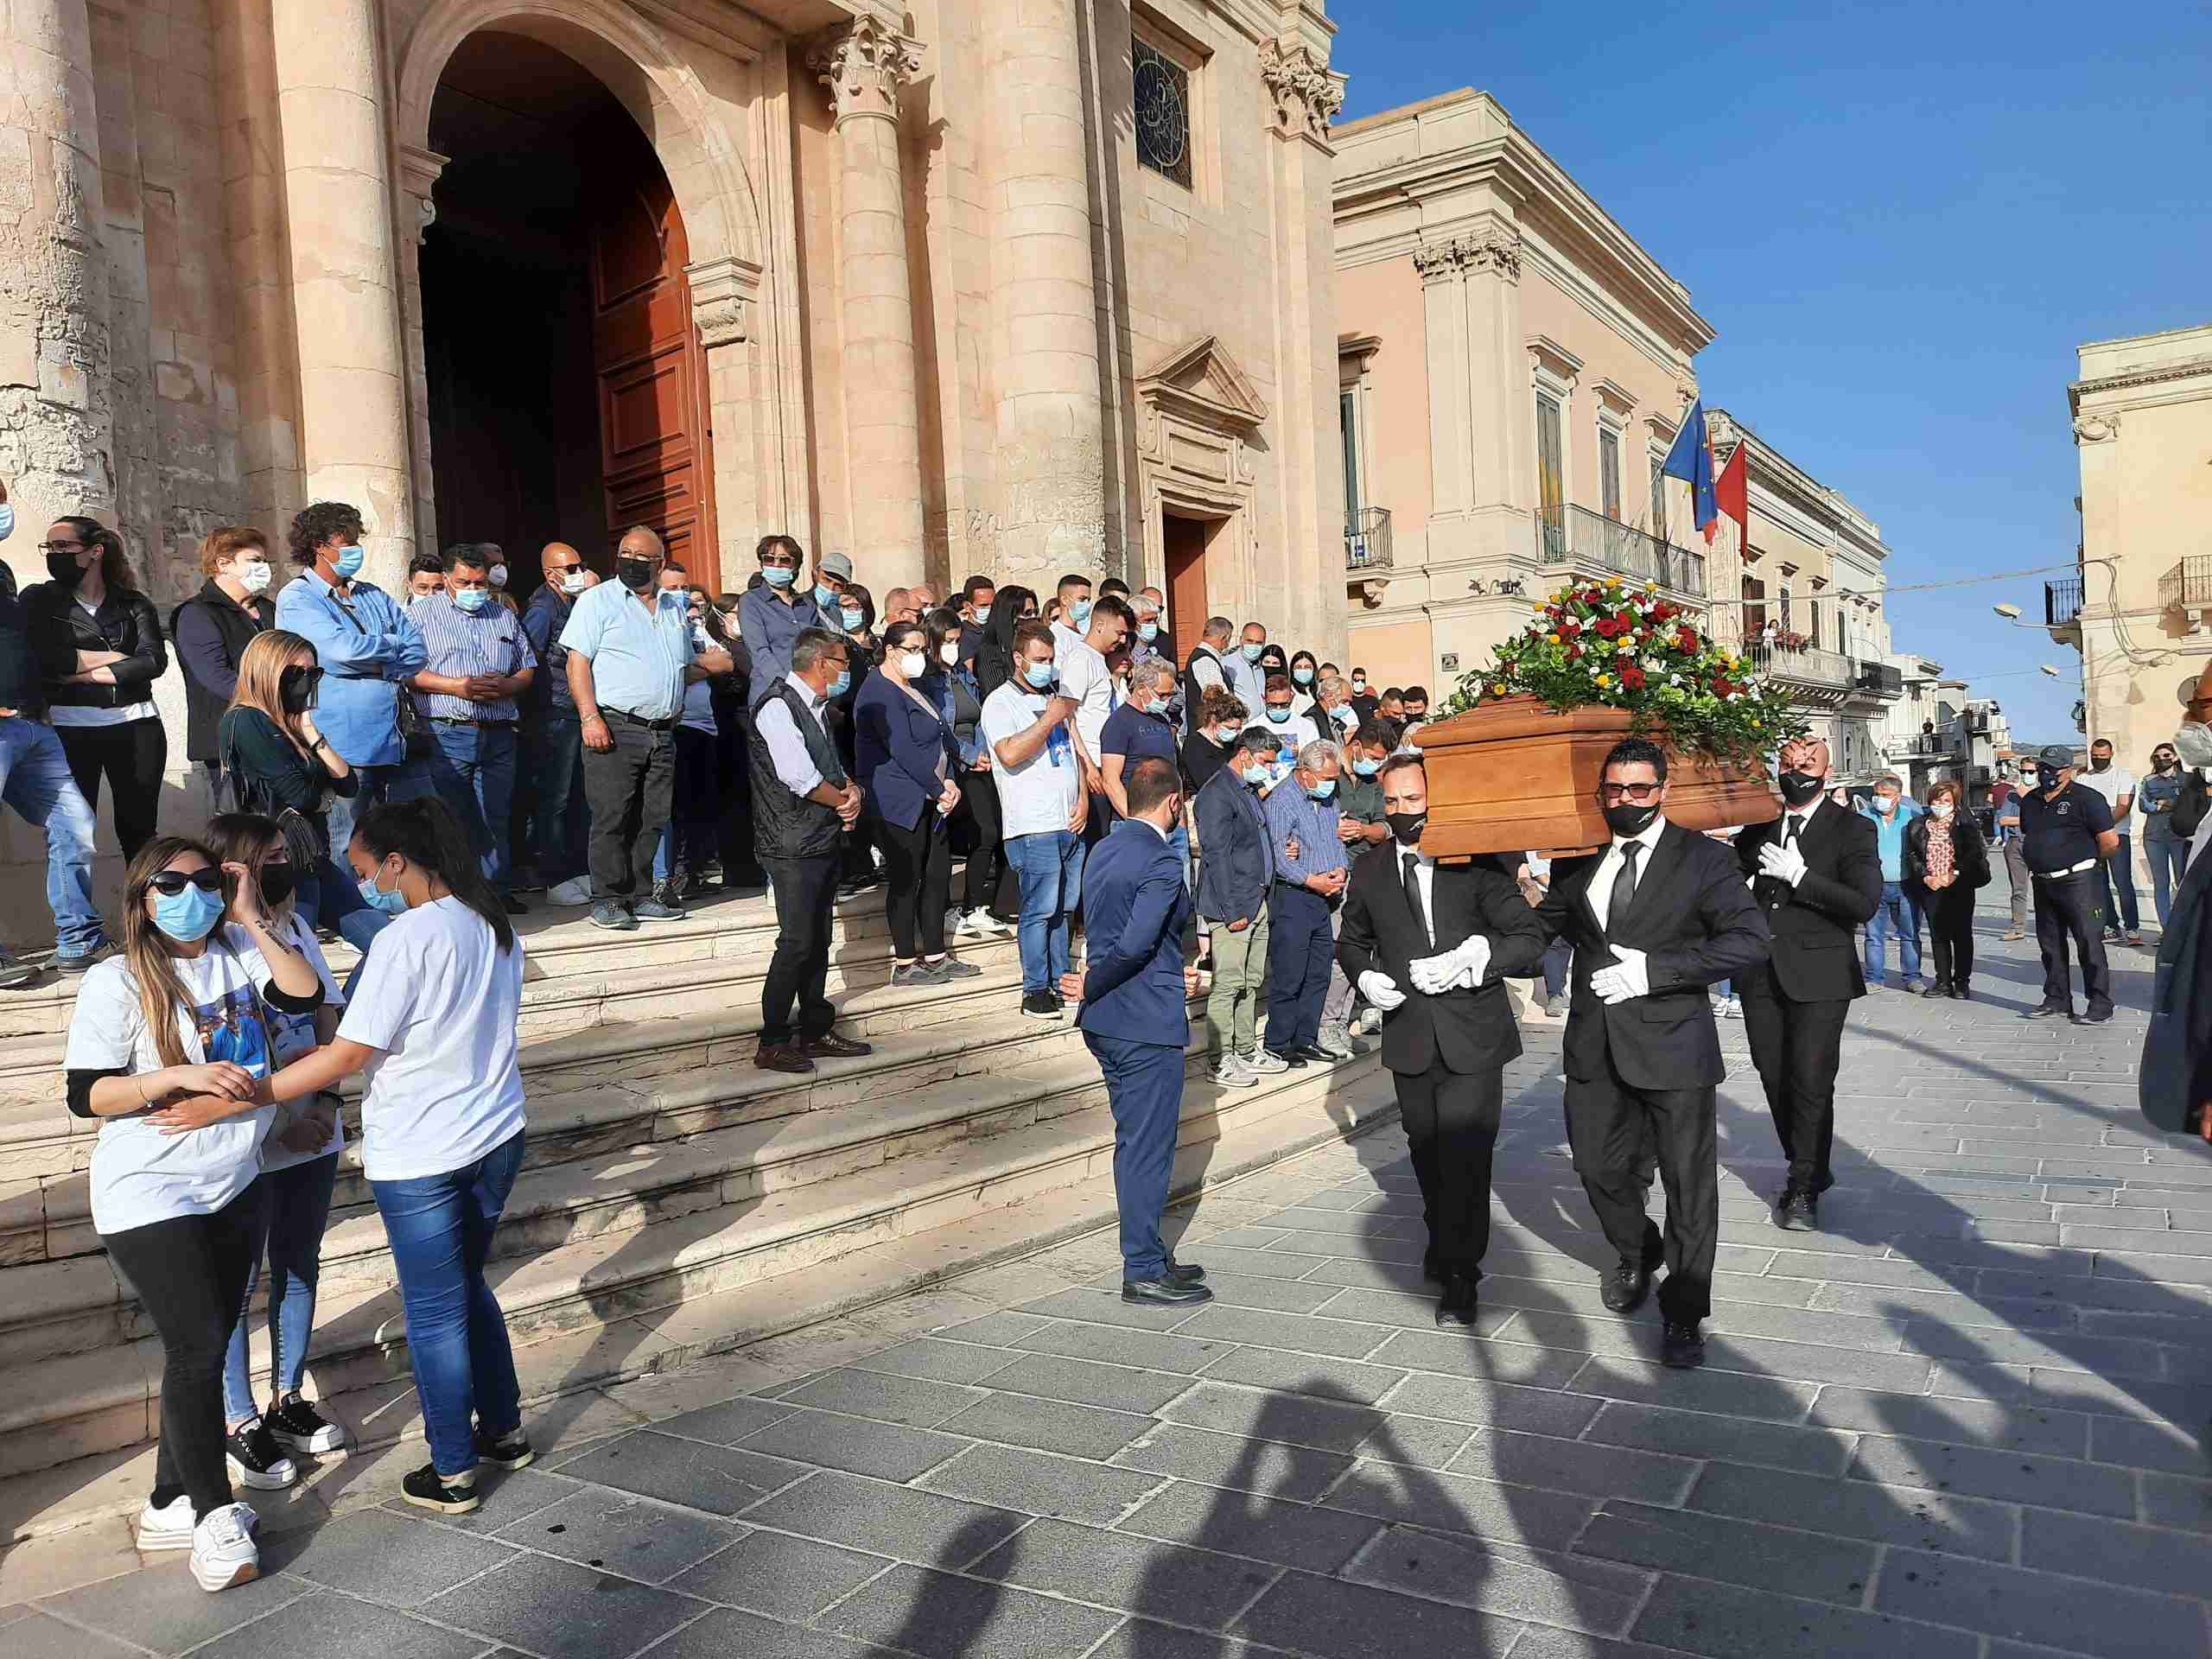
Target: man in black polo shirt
x: 2066, y: 831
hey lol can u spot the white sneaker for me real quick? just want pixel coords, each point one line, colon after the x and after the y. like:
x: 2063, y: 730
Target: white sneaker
x: 1336, y: 1041
x: 224, y: 1554
x: 1229, y: 1071
x: 1369, y: 1022
x: 570, y: 893
x: 169, y: 1529
x: 1262, y: 1064
x: 1730, y: 1007
x: 980, y: 920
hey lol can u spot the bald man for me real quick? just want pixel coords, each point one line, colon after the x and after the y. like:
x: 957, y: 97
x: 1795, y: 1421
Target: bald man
x: 1816, y: 873
x: 549, y: 807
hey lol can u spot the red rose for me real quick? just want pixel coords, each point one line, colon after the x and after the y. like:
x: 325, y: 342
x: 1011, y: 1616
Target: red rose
x: 1686, y: 638
x: 1632, y: 677
x: 1573, y: 653
x: 1568, y: 630
x: 1662, y: 612
x: 1608, y: 628
x: 1721, y: 688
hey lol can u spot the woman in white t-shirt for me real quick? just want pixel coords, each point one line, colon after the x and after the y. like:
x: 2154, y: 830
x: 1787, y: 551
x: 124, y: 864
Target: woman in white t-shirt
x: 179, y: 1017
x: 432, y: 1022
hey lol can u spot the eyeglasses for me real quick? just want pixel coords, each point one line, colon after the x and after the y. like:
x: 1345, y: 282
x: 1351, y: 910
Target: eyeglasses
x: 62, y: 547
x: 172, y: 882
x: 1638, y: 793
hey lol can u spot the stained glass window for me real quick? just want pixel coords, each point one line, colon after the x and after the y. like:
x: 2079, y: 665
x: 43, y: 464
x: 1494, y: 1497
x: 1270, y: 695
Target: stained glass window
x: 1162, y: 109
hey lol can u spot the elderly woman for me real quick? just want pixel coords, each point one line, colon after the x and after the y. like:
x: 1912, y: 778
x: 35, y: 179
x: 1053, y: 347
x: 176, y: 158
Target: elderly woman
x: 1946, y: 861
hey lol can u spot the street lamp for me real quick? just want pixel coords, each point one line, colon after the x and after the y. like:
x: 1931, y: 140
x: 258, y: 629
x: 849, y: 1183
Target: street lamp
x: 2010, y: 613
x: 2047, y: 669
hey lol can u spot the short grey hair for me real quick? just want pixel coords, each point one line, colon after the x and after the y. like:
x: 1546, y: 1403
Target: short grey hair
x: 651, y: 546
x: 812, y: 644
x: 1163, y: 673
x: 1219, y: 627
x: 1141, y: 603
x: 1318, y: 752
x: 1328, y: 685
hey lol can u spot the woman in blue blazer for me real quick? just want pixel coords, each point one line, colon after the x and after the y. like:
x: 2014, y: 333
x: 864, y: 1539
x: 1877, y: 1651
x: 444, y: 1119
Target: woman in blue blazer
x: 906, y: 761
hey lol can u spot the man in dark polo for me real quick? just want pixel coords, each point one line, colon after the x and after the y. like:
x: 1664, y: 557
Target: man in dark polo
x: 2066, y: 828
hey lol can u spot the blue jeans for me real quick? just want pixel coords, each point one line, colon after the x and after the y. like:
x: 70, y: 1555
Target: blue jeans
x: 1898, y: 909
x: 295, y: 1207
x: 2168, y: 860
x: 552, y: 746
x: 1049, y: 866
x: 1144, y: 1087
x: 473, y: 769
x: 2119, y: 877
x: 441, y: 1230
x: 35, y: 779
x: 403, y: 780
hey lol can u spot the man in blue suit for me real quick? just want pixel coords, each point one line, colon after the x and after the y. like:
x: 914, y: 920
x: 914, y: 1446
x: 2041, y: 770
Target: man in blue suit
x: 1134, y: 993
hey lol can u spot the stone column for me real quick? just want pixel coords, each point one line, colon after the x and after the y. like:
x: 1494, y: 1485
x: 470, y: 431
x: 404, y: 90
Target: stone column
x: 722, y: 305
x: 864, y: 64
x: 353, y: 416
x: 1050, y: 453
x: 56, y: 415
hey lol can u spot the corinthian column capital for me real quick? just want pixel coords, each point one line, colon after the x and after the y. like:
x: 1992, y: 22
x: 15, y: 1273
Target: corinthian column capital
x: 1307, y: 93
x: 864, y: 63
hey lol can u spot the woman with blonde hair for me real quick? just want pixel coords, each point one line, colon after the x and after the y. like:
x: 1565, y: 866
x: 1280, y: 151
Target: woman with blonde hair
x: 283, y: 768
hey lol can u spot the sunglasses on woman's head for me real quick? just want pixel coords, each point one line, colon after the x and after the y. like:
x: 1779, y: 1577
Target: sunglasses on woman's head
x: 172, y: 882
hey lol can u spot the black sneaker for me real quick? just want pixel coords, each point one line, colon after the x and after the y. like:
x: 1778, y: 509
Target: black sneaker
x: 510, y: 1451
x: 298, y: 1427
x: 2098, y: 1013
x: 670, y: 891
x: 2049, y: 1011
x: 656, y: 910
x: 613, y: 916
x: 64, y: 964
x: 257, y: 1460
x: 1041, y: 1005
x: 426, y: 1488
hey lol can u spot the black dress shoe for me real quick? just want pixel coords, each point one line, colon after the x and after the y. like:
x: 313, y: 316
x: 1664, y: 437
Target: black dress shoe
x: 1958, y: 991
x: 1293, y: 1058
x: 782, y: 1056
x: 1457, y: 1305
x: 2098, y: 1013
x: 1317, y: 1055
x: 1184, y: 1273
x: 831, y: 1045
x: 1681, y: 1347
x: 1940, y: 988
x: 2049, y: 1011
x: 1799, y: 1209
x: 1623, y: 1289
x: 1164, y: 1292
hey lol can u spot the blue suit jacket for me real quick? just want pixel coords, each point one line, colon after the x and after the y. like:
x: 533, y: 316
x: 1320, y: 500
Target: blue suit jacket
x: 1134, y: 910
x: 896, y: 747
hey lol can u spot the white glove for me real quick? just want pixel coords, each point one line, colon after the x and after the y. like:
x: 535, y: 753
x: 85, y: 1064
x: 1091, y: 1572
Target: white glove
x: 1630, y: 977
x: 1462, y: 965
x: 1785, y: 863
x: 1382, y: 990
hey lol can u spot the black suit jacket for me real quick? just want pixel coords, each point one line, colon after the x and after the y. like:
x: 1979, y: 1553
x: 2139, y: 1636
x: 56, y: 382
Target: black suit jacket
x: 1695, y: 921
x: 1816, y: 959
x: 1469, y: 1030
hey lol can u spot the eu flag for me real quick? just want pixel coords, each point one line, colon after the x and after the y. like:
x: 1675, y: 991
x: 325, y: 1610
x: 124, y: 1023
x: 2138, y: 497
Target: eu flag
x: 1691, y: 461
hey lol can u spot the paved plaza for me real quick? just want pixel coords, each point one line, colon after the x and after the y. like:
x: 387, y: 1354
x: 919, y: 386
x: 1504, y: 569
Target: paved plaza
x: 1963, y: 1420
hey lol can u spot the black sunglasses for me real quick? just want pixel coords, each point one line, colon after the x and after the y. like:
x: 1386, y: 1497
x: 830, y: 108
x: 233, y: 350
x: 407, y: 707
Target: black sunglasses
x: 172, y: 882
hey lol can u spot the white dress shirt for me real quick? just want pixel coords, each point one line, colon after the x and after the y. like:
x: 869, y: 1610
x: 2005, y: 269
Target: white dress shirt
x: 1601, y: 886
x: 1424, y: 879
x: 795, y: 767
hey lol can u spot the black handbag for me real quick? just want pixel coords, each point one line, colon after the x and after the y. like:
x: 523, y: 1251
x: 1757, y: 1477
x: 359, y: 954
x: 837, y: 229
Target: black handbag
x: 307, y: 838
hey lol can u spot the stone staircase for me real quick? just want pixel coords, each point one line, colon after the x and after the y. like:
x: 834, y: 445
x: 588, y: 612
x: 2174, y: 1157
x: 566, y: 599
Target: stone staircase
x: 675, y: 1199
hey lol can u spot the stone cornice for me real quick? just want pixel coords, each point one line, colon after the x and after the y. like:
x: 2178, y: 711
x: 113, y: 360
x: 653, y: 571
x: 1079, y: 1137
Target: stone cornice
x: 864, y: 64
x: 2136, y: 378
x: 1306, y: 91
x: 1497, y: 249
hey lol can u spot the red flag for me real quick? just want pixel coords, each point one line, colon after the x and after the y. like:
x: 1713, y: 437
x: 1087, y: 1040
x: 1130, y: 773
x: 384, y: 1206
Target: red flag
x: 1731, y: 494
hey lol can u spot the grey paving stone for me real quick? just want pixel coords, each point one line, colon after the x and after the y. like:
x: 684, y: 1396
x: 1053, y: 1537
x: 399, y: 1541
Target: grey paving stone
x: 326, y: 1624
x: 1000, y: 1328
x: 1341, y: 1338
x: 1087, y: 1383
x: 1706, y: 1435
x: 2150, y: 1446
x: 1556, y: 1589
x: 2008, y: 1477
x: 564, y: 1611
x: 1850, y: 1509
x: 1265, y: 1291
x: 1186, y: 1586
x: 1503, y: 1362
x: 1503, y: 1405
x: 163, y: 1610
x: 1354, y: 1621
x: 728, y: 1423
x: 1242, y: 1523
x: 1012, y: 1478
x: 2175, y: 1501
x: 1051, y: 1425
x: 2150, y: 1558
x: 1266, y: 1264
x: 1449, y: 1503
x: 1140, y: 1639
x: 941, y: 1617
x: 939, y: 1360
x: 1538, y: 1642
x: 621, y: 1534
x: 900, y: 1521
x: 1708, y: 1546
x: 914, y: 1401
x: 1315, y: 1219
x: 2026, y: 1429
x: 2027, y: 1606
x: 2106, y: 1355
x: 1727, y: 1622
x: 1106, y: 1307
x: 1303, y: 1420
x: 376, y: 1553
x: 1425, y: 1442
x: 1558, y: 1465
x: 35, y: 1635
x: 774, y: 1573
x: 719, y: 1480
x: 1305, y: 1373
x: 1274, y: 1469
x: 726, y: 1633
x: 1156, y: 1350
x: 831, y: 1440
x: 1304, y: 1243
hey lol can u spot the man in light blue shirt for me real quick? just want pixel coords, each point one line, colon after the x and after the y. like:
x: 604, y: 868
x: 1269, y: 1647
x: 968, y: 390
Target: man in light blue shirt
x: 629, y: 656
x: 1892, y: 810
x: 1310, y: 871
x: 1246, y: 677
x: 367, y: 649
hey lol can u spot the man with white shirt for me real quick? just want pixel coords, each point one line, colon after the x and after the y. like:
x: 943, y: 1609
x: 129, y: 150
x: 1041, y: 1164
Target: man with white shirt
x: 1656, y: 917
x: 1080, y: 662
x: 2117, y: 785
x: 1431, y: 948
x: 1246, y: 677
x: 1074, y: 594
x: 1042, y: 807
x: 1206, y: 667
x: 1816, y: 873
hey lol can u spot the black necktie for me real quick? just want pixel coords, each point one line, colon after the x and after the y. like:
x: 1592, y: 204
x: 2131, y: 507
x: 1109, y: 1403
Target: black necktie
x: 1624, y: 888
x: 1791, y: 827
x: 1413, y: 893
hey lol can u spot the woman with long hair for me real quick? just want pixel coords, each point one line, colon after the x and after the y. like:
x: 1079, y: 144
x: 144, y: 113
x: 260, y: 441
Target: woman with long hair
x: 1304, y: 676
x: 299, y: 1168
x: 1947, y: 863
x: 282, y: 767
x: 994, y: 657
x: 177, y: 1020
x: 92, y: 614
x: 432, y: 1024
x: 989, y: 883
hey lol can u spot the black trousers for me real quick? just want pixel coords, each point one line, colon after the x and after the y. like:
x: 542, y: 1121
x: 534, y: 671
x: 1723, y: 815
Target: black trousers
x: 917, y: 884
x: 806, y: 897
x: 190, y: 1275
x: 2072, y: 907
x: 1797, y: 1046
x: 989, y: 883
x: 1451, y: 1119
x: 629, y: 789
x: 1950, y: 931
x: 132, y: 757
x: 1613, y: 1129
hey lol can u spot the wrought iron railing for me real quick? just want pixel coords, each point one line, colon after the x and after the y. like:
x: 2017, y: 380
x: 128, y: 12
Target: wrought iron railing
x: 1577, y: 535
x: 2062, y: 601
x: 1880, y: 679
x: 1804, y: 665
x: 1367, y: 540
x: 2187, y: 585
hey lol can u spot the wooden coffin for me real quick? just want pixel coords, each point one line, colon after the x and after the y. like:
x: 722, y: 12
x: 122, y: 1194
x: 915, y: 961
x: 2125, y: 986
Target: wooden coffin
x: 1515, y: 776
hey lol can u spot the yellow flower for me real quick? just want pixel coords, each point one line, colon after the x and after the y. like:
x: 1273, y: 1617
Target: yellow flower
x: 1612, y: 581
x: 1543, y: 605
x: 1551, y: 638
x: 1498, y: 690
x: 1650, y: 586
x: 1604, y: 679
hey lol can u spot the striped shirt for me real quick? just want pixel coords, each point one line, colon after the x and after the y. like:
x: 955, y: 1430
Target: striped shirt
x: 464, y: 646
x: 1291, y: 813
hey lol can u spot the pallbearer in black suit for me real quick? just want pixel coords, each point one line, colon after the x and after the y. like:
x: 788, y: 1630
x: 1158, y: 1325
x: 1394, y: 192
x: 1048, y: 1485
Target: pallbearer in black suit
x: 1429, y: 945
x: 1816, y: 873
x: 1653, y: 919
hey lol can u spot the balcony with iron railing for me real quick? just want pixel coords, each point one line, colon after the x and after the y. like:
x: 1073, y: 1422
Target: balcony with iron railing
x: 1572, y: 535
x: 1882, y: 679
x: 2061, y: 602
x: 1803, y: 665
x: 1367, y: 540
x: 2188, y: 586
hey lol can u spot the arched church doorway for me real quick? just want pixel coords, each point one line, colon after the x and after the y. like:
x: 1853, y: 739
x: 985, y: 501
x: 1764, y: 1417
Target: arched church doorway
x: 566, y: 386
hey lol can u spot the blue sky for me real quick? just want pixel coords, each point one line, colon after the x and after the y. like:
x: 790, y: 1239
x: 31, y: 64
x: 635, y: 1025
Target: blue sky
x: 1902, y: 220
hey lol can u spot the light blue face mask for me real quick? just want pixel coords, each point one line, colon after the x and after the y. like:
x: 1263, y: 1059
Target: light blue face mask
x: 349, y: 562
x: 188, y: 915
x: 777, y: 575
x: 1280, y: 716
x: 1258, y: 776
x: 825, y: 595
x: 1038, y: 675
x: 1303, y: 675
x: 851, y: 620
x: 7, y: 519
x: 1322, y: 790
x: 841, y: 684
x: 1079, y: 613
x: 472, y: 600
x: 1146, y: 632
x: 391, y: 904
x: 1252, y: 651
x: 1366, y: 768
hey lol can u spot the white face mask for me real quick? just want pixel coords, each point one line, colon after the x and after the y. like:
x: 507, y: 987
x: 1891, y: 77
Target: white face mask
x: 253, y: 575
x: 913, y: 664
x: 498, y: 574
x: 1941, y: 810
x: 2193, y: 743
x: 949, y: 652
x: 574, y: 583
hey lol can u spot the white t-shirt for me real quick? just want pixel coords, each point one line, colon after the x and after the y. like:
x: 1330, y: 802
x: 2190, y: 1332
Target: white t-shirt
x: 1084, y: 676
x: 1291, y: 736
x: 2112, y: 782
x: 1038, y: 795
x: 440, y: 998
x: 291, y: 1035
x: 139, y: 1175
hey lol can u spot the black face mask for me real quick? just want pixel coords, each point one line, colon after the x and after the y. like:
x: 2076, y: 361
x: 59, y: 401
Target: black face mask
x: 2046, y: 778
x: 64, y: 568
x: 1799, y: 787
x: 1406, y: 826
x: 1626, y: 818
x: 297, y: 687
x: 276, y: 883
x: 635, y: 574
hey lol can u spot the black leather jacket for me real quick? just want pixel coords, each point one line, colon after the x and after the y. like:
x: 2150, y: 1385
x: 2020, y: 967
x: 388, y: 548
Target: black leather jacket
x: 126, y: 621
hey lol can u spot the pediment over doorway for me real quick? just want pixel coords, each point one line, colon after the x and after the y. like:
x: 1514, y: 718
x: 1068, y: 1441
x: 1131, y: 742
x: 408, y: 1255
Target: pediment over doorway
x: 1201, y: 384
